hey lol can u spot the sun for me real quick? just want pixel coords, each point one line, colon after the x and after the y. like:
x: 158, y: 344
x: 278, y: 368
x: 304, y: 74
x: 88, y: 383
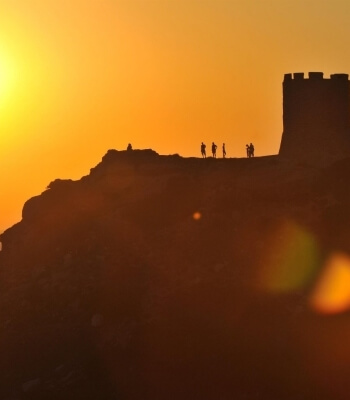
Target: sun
x: 2, y: 78
x: 6, y: 78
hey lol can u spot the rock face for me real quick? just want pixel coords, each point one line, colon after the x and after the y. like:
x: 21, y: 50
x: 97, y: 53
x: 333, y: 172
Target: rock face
x: 316, y: 118
x: 167, y: 278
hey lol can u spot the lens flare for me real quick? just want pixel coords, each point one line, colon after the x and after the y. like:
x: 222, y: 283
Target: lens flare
x: 290, y: 259
x: 332, y: 291
x: 197, y: 216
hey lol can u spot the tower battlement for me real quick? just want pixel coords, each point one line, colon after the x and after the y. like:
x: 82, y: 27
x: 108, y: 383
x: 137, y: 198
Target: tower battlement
x: 316, y: 116
x: 315, y: 76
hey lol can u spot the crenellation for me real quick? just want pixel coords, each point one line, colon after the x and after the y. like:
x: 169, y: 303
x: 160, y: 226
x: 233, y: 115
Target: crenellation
x: 340, y: 77
x: 298, y: 75
x: 316, y: 75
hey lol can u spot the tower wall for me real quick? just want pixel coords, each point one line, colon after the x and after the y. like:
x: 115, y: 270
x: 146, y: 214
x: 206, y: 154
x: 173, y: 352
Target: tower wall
x: 316, y: 116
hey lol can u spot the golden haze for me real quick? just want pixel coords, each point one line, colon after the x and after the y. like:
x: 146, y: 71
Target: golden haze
x: 80, y: 77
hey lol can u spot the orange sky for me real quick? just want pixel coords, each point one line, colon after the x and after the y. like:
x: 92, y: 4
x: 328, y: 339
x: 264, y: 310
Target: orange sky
x: 78, y: 77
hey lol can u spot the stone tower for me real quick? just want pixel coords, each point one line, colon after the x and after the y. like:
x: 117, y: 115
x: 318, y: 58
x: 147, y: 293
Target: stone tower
x: 316, y: 117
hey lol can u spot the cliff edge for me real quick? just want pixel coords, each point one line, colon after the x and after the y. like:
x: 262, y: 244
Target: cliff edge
x: 158, y: 277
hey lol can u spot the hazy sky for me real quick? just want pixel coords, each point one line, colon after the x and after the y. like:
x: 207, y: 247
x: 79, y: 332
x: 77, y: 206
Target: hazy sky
x: 78, y: 77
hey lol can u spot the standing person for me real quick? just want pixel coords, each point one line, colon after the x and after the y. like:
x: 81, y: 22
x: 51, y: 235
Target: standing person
x: 203, y: 147
x: 223, y: 151
x: 247, y: 150
x: 251, y: 150
x: 213, y: 149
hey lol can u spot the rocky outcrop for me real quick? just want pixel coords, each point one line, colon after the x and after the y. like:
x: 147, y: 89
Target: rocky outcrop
x: 150, y: 278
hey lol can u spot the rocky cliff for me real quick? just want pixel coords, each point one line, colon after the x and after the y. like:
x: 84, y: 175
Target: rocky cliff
x: 158, y: 277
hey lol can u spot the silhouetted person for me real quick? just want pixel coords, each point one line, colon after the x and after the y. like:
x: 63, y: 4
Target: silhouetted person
x: 248, y: 150
x: 213, y: 149
x: 129, y: 148
x: 251, y: 150
x: 223, y: 150
x: 204, y: 153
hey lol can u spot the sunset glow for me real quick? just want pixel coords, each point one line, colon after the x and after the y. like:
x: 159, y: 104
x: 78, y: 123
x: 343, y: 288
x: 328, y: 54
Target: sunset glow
x: 78, y: 78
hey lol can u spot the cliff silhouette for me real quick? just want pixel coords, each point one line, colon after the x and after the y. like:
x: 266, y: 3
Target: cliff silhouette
x: 147, y: 279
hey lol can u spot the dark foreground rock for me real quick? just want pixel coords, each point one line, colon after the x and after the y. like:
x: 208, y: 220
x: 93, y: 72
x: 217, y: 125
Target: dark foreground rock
x: 166, y: 278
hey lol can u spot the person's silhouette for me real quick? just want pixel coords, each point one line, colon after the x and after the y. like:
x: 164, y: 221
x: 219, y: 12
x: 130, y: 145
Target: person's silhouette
x: 247, y: 150
x: 251, y: 150
x: 203, y: 152
x: 213, y: 149
x: 129, y: 148
x: 223, y: 150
